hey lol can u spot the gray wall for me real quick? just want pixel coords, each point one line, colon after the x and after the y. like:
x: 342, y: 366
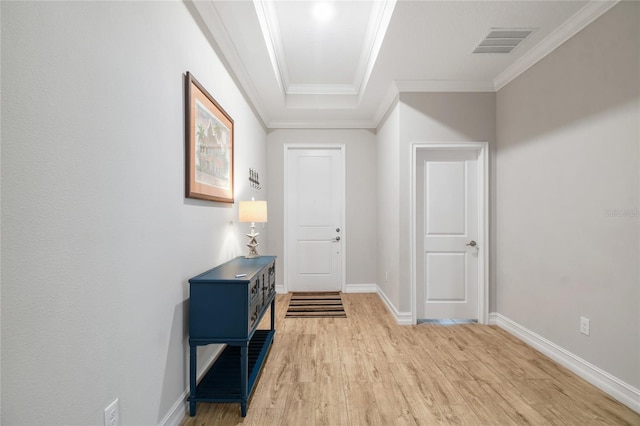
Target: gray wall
x: 568, y: 195
x: 388, y: 145
x: 361, y: 193
x: 425, y: 117
x: 98, y: 240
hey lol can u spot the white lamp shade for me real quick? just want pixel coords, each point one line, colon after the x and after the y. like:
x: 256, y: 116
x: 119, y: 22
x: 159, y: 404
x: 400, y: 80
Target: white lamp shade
x: 253, y: 211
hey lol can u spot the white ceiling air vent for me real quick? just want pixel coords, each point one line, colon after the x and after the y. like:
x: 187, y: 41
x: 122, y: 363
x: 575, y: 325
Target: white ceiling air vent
x: 502, y: 40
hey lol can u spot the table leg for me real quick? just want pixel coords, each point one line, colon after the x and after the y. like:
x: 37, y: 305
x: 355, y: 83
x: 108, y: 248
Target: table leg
x: 193, y: 350
x: 244, y: 377
x: 273, y: 314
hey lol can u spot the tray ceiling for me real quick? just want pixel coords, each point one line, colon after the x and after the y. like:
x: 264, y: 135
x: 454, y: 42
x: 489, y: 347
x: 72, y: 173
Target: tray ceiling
x: 341, y: 64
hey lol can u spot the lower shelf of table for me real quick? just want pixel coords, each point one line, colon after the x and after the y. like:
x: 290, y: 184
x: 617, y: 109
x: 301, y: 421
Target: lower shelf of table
x: 222, y: 382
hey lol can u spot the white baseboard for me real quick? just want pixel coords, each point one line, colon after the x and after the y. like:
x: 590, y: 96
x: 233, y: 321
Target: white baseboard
x: 280, y: 289
x: 616, y: 388
x: 178, y: 411
x: 402, y: 318
x: 361, y: 288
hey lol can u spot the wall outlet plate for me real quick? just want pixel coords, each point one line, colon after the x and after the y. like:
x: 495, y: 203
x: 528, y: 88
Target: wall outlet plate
x: 584, y: 326
x: 112, y: 414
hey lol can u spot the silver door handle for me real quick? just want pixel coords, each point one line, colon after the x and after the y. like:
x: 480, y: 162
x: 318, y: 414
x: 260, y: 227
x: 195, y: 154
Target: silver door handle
x: 472, y: 243
x: 336, y: 239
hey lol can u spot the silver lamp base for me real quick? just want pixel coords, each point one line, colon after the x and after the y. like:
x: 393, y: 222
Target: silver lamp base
x: 253, y: 243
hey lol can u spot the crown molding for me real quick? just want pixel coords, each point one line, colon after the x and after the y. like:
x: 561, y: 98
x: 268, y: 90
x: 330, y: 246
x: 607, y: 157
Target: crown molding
x: 229, y: 54
x: 376, y: 31
x: 321, y: 89
x: 268, y: 19
x: 325, y: 124
x: 589, y: 13
x: 444, y: 86
x: 388, y: 101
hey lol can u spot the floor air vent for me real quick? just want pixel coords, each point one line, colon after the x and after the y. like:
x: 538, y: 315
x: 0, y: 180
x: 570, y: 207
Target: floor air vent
x: 502, y: 40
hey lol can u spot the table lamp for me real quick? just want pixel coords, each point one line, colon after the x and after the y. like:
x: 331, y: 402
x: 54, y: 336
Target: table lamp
x: 252, y: 211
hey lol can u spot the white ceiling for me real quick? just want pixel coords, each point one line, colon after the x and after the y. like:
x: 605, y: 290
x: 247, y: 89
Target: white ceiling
x: 341, y: 64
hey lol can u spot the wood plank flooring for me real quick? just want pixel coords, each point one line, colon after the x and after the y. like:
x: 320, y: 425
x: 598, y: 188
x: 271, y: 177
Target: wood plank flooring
x: 367, y: 370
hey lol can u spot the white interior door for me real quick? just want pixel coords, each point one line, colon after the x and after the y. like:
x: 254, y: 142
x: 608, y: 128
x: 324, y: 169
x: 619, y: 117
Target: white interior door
x: 447, y: 221
x: 314, y: 229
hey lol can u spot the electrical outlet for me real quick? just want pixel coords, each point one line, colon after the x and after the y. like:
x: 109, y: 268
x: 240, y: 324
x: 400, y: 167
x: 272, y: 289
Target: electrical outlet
x: 112, y: 414
x: 584, y: 326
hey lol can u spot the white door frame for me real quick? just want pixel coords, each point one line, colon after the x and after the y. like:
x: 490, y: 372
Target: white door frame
x: 343, y: 232
x: 483, y: 214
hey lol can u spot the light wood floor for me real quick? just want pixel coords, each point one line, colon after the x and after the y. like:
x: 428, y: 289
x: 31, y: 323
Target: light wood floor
x: 367, y: 370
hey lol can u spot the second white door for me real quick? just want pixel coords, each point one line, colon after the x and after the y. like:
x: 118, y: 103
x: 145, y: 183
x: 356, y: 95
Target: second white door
x: 314, y: 188
x: 447, y: 268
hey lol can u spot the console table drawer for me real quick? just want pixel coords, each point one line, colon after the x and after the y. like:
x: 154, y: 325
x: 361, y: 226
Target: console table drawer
x: 210, y: 319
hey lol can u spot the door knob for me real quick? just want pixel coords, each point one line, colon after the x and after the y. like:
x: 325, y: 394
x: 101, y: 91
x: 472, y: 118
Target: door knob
x: 472, y: 243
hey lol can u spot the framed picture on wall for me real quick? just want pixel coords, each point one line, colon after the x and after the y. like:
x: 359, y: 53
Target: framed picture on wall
x: 209, y: 146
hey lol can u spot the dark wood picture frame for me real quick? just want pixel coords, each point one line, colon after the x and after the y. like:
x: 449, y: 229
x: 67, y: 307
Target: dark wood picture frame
x: 208, y: 146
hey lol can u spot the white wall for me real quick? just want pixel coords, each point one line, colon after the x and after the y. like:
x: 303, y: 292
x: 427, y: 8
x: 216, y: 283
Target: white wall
x: 388, y: 145
x: 360, y: 196
x: 98, y: 240
x: 568, y: 157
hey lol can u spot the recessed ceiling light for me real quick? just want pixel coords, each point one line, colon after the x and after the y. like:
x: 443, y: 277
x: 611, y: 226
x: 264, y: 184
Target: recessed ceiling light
x: 323, y: 11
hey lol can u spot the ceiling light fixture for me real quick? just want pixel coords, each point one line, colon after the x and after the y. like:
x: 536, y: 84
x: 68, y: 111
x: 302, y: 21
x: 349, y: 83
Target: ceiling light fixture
x: 323, y: 11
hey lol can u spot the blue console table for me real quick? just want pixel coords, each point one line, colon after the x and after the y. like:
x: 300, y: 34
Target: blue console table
x: 226, y: 305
